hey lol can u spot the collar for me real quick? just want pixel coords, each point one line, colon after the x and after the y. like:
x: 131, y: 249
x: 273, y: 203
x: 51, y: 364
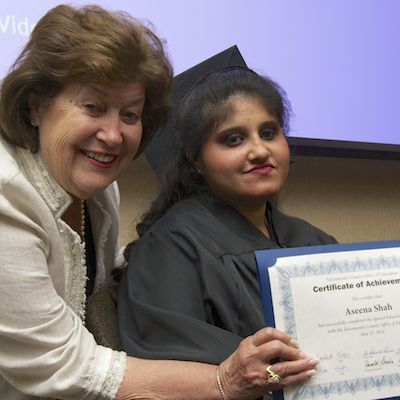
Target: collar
x: 240, y: 225
x: 57, y: 199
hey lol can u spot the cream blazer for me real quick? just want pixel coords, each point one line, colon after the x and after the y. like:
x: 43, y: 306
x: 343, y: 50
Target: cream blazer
x: 45, y: 349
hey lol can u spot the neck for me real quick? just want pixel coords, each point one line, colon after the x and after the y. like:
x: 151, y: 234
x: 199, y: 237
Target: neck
x: 73, y: 216
x: 256, y: 215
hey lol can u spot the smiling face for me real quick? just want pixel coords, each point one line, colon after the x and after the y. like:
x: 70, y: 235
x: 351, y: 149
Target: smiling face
x: 89, y: 133
x: 246, y: 159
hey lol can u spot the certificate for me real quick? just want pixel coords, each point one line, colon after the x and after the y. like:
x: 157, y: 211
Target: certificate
x: 342, y: 304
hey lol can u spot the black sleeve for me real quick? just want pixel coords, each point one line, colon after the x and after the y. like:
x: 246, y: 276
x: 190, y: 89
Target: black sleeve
x: 176, y: 300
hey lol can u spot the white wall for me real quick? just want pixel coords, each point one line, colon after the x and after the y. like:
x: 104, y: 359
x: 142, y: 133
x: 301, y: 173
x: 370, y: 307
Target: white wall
x: 352, y: 199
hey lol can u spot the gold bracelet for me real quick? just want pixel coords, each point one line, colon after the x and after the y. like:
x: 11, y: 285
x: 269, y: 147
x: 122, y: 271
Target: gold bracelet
x: 220, y: 387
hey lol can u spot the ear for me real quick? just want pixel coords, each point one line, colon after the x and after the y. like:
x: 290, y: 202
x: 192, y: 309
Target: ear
x: 34, y: 106
x: 196, y: 162
x: 198, y: 166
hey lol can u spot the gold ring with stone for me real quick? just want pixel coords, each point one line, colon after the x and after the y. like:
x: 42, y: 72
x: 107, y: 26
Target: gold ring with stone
x: 272, y: 377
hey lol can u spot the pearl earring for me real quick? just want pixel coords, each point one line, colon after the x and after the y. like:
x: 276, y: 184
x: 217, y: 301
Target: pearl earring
x: 34, y: 123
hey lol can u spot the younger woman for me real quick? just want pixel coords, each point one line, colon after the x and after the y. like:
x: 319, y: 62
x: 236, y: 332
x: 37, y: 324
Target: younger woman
x: 191, y: 290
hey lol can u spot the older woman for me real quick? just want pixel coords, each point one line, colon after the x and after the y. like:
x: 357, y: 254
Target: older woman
x: 190, y: 291
x: 83, y: 98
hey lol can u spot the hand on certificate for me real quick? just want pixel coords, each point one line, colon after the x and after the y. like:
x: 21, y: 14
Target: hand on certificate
x: 268, y: 360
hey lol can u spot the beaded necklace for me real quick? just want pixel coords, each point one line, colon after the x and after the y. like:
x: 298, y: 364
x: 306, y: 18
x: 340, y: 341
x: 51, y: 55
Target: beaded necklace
x: 83, y: 222
x: 83, y: 231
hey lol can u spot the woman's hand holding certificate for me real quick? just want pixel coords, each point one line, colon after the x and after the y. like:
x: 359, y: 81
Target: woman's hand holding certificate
x: 343, y: 308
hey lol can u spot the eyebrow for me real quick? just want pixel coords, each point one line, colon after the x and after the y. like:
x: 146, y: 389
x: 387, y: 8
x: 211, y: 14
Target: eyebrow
x: 268, y: 123
x: 96, y: 89
x: 91, y: 87
x: 272, y: 123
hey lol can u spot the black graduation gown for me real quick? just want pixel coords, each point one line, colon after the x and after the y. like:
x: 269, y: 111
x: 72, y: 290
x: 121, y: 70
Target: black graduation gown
x: 190, y: 291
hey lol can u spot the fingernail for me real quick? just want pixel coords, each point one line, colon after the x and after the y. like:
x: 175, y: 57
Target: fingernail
x: 310, y: 373
x: 294, y: 343
x: 314, y: 362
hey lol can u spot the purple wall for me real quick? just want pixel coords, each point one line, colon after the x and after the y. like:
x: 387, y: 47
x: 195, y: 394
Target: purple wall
x: 338, y: 60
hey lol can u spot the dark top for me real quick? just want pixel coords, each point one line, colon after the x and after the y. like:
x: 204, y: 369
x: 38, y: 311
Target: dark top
x: 190, y: 291
x: 90, y: 254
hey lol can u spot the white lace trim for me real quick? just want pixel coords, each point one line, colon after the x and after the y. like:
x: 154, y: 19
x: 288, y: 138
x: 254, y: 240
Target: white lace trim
x: 74, y: 251
x: 74, y: 258
x: 114, y: 377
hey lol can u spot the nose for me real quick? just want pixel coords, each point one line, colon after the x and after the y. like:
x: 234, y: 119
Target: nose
x: 258, y: 149
x: 110, y: 131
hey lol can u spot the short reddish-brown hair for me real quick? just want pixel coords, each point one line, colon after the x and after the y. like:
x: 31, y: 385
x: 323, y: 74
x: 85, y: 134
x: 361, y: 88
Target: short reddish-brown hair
x: 88, y: 44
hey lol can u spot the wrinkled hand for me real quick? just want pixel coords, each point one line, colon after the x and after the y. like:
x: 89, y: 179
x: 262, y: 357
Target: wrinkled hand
x: 243, y: 373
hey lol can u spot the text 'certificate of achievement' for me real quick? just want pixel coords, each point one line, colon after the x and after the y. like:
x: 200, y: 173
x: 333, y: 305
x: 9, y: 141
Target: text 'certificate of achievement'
x: 342, y: 304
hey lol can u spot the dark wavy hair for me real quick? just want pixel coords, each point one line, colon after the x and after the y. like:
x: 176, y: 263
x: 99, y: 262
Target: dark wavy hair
x: 200, y: 112
x: 86, y: 44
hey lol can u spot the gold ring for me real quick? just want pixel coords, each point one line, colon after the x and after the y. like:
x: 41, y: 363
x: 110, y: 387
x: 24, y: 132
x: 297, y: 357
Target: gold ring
x: 272, y: 377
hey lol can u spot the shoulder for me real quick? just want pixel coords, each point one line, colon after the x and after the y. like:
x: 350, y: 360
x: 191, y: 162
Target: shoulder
x: 183, y: 227
x: 9, y: 166
x: 23, y: 210
x: 16, y: 190
x: 293, y: 231
x: 191, y: 212
x: 25, y: 219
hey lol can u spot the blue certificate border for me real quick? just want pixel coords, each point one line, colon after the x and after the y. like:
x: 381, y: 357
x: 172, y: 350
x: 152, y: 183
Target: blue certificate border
x: 267, y: 258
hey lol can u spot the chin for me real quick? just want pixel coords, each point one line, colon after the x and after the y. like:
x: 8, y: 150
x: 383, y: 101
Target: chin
x: 263, y: 195
x: 87, y: 192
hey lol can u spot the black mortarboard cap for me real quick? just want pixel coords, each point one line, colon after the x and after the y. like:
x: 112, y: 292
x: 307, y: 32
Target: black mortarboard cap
x: 161, y: 147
